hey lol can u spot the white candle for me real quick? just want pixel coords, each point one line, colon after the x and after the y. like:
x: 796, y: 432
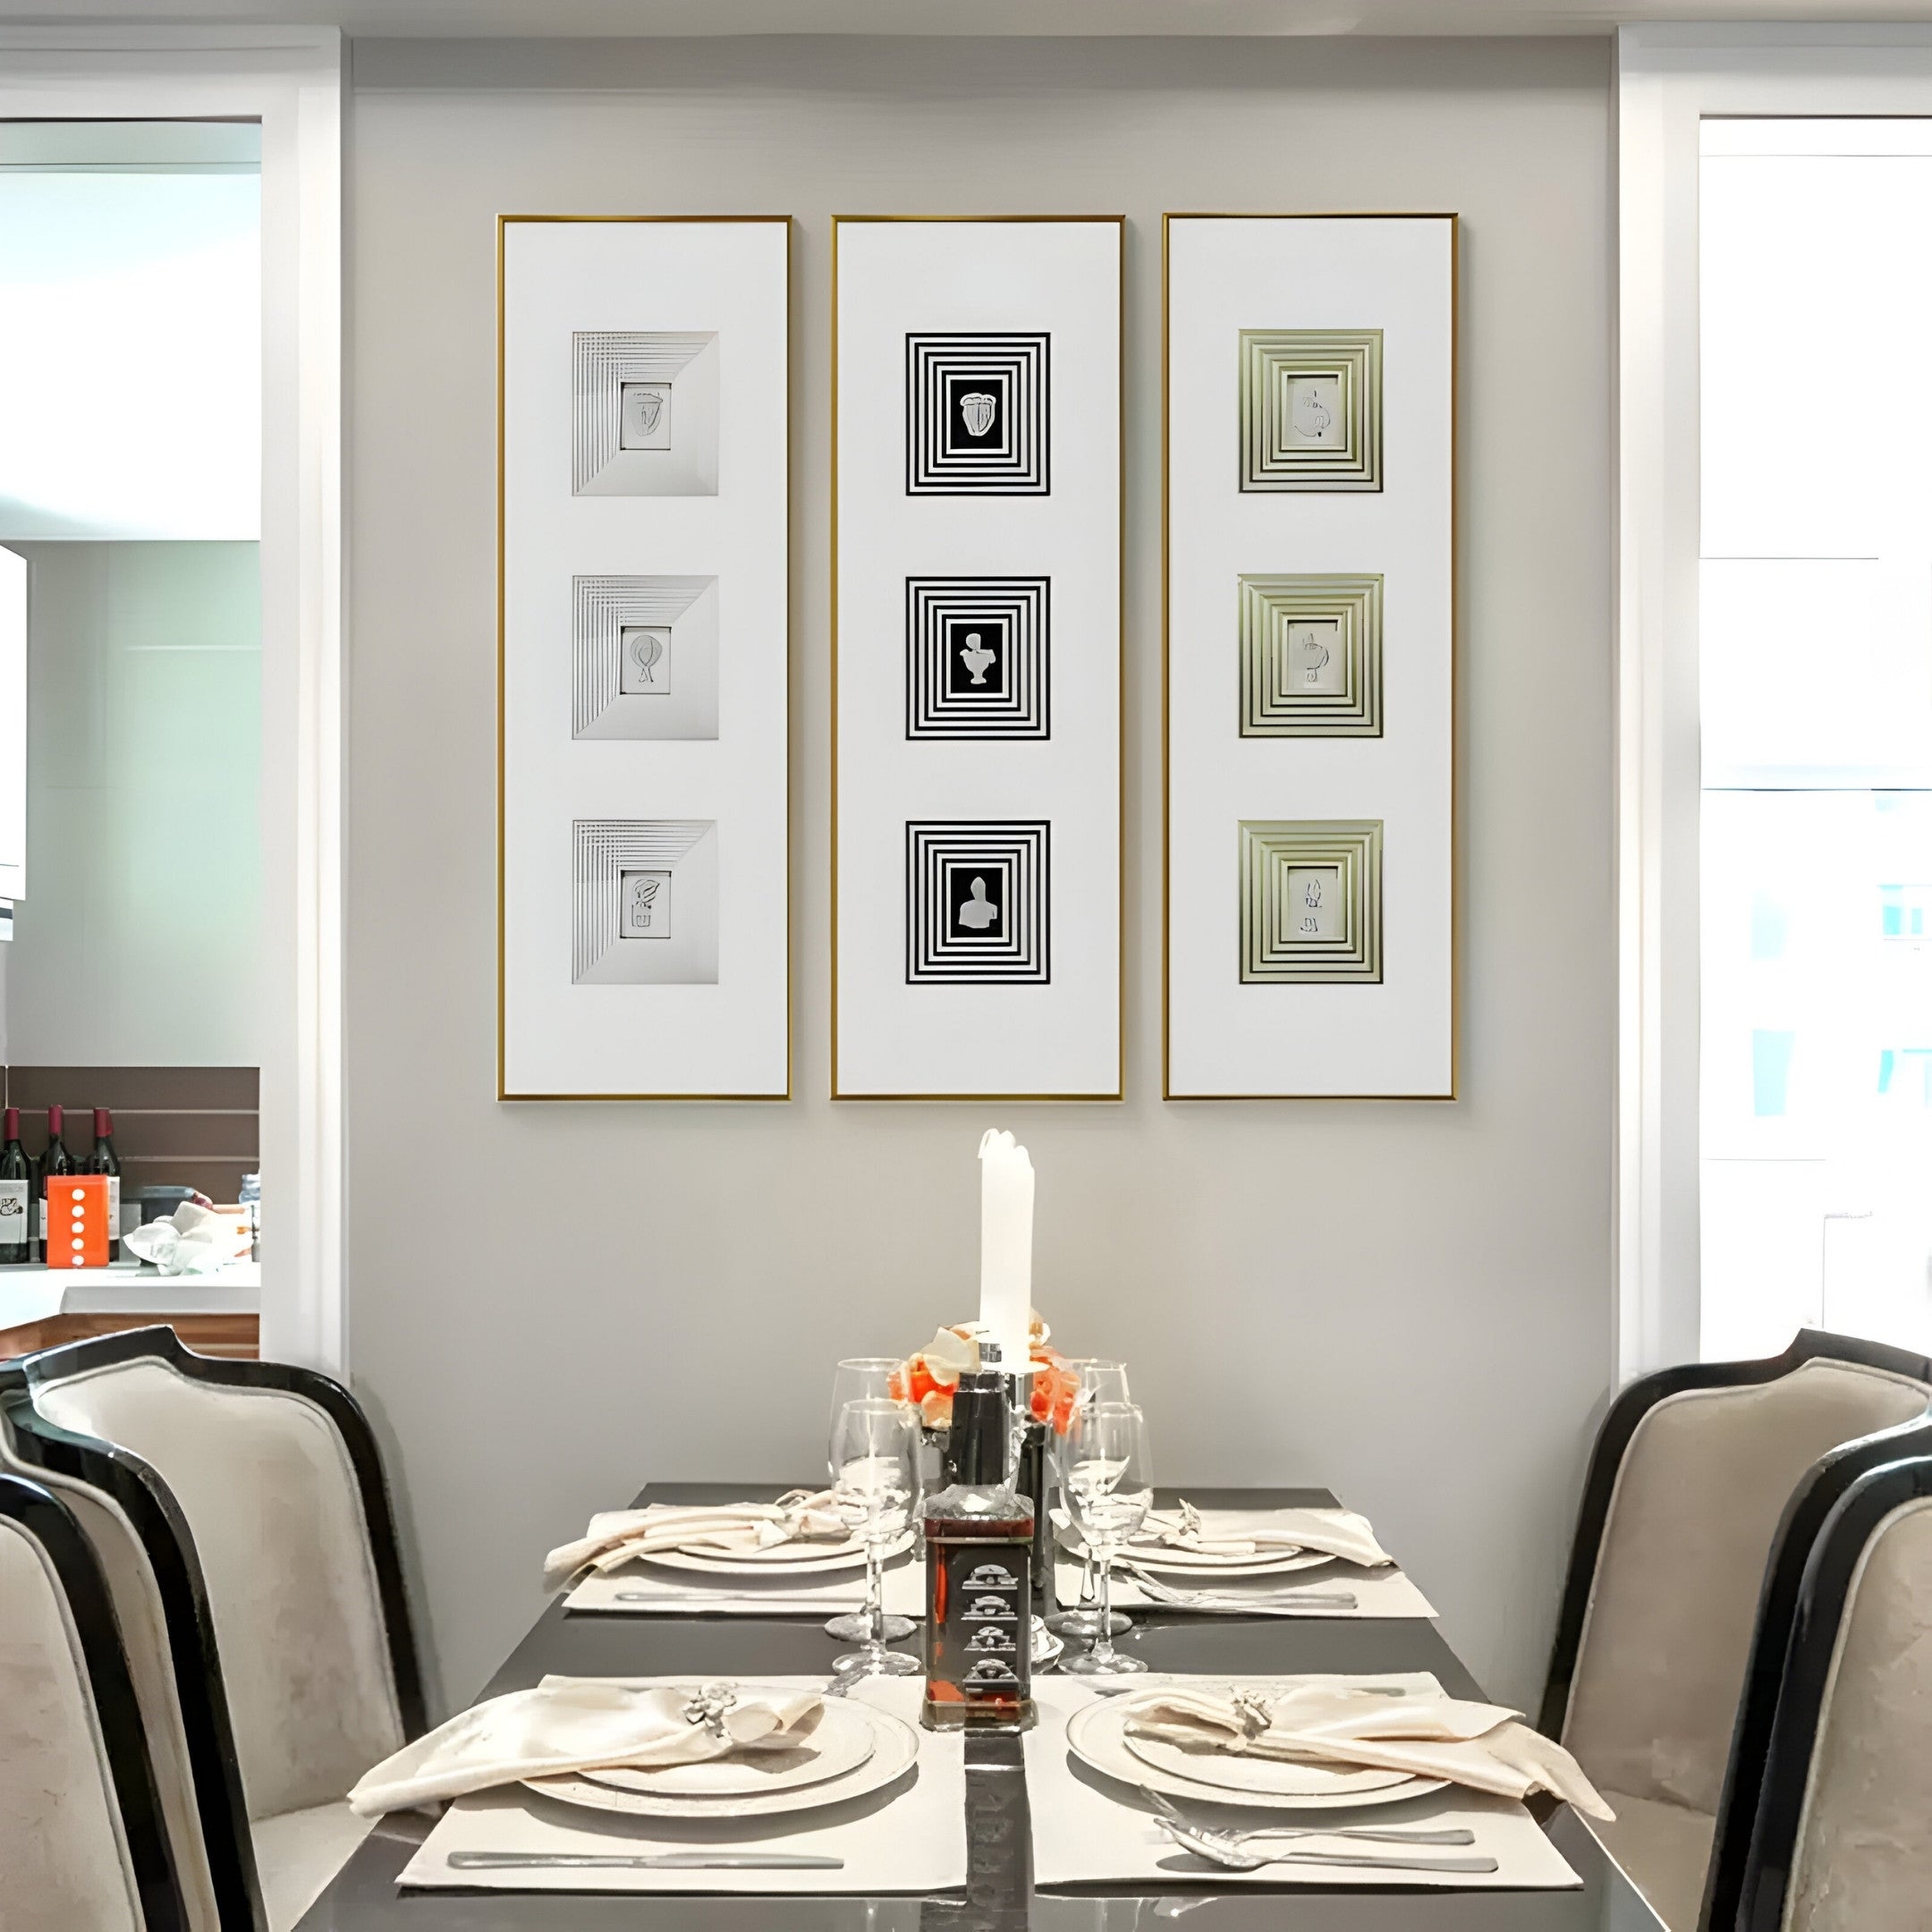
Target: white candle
x: 1006, y: 1245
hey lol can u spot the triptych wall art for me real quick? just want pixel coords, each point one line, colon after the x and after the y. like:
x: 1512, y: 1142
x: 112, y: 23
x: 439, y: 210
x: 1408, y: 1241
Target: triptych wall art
x: 643, y: 899
x: 1311, y: 657
x: 977, y: 656
x: 976, y: 400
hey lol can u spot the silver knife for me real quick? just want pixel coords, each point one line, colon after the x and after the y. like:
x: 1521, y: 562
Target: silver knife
x: 653, y: 1861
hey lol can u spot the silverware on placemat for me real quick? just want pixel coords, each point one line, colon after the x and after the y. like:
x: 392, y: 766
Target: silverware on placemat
x: 1170, y: 1814
x: 1306, y: 1597
x: 645, y: 1861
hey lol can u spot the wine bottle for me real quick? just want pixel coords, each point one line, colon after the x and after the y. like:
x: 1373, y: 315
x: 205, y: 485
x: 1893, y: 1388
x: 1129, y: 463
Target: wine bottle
x: 16, y: 1194
x: 54, y: 1161
x: 104, y: 1160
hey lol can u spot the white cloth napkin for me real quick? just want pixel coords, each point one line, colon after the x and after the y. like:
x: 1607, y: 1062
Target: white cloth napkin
x: 1337, y: 1532
x: 577, y: 1724
x: 1482, y: 1746
x: 719, y: 1529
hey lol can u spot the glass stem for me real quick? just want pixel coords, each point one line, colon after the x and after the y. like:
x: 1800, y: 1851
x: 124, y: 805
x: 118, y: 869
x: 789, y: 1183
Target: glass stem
x: 1087, y: 1586
x: 875, y: 1595
x: 1103, y: 1642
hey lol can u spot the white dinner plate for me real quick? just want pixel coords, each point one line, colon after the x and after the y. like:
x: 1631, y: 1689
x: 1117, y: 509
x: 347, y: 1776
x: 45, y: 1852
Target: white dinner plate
x: 818, y: 1560
x: 895, y: 1749
x: 1096, y: 1736
x: 840, y: 1741
x: 1273, y: 1777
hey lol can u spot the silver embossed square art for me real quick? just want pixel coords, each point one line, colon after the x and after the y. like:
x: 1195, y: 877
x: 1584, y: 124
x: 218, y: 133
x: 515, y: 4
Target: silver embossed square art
x: 1312, y: 901
x: 644, y: 658
x: 1311, y: 657
x: 1311, y: 409
x: 644, y: 413
x: 644, y: 899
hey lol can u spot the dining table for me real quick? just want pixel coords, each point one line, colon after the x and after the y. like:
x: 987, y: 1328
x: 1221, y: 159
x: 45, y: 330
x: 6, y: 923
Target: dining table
x: 999, y: 1896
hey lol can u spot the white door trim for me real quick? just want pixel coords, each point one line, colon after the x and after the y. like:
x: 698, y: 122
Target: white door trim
x: 1669, y: 78
x: 290, y: 80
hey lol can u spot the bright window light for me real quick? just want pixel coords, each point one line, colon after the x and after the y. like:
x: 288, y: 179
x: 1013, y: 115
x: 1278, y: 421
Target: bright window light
x: 130, y: 353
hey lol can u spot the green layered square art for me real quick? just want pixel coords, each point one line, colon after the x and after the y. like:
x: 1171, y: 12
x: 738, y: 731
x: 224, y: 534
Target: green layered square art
x: 1311, y: 657
x: 1312, y: 901
x: 1312, y: 408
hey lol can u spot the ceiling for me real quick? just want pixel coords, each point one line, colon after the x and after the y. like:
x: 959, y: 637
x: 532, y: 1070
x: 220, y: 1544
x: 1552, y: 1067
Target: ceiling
x: 411, y: 19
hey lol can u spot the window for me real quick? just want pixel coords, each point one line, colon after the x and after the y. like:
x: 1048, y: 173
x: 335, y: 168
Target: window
x: 1815, y: 674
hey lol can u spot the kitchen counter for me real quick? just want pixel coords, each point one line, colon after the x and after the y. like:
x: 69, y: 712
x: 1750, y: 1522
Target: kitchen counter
x: 40, y: 1307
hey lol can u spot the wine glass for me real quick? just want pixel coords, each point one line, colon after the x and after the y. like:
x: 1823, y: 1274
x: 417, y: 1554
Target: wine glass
x: 860, y: 1378
x: 875, y: 1479
x: 1097, y: 1380
x: 1106, y: 1480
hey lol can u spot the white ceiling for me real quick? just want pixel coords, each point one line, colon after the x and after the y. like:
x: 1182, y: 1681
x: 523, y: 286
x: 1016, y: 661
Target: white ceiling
x: 538, y: 18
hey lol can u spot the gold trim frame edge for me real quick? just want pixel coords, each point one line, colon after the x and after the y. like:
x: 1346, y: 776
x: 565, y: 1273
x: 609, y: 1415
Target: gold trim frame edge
x: 1120, y: 1063
x: 503, y: 1093
x: 1456, y: 869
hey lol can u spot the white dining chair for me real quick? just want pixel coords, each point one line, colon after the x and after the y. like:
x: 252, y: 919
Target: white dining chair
x: 1841, y: 1841
x: 267, y: 1480
x: 83, y: 1844
x: 1691, y: 1476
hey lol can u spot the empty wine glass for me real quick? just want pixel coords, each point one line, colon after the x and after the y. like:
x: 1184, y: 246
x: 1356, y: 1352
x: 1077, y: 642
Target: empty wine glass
x: 1097, y: 1380
x: 860, y: 1378
x: 1106, y: 1480
x: 875, y: 1480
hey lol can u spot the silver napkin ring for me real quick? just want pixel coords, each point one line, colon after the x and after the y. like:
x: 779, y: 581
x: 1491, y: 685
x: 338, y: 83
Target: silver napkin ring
x: 707, y: 1705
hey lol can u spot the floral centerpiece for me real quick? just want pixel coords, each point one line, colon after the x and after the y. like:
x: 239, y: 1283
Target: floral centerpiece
x: 928, y: 1380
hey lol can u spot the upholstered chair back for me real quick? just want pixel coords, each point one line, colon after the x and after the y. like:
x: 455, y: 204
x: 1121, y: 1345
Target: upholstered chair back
x: 264, y: 1480
x: 80, y: 1844
x: 135, y: 1594
x: 1863, y: 1855
x: 1698, y: 1497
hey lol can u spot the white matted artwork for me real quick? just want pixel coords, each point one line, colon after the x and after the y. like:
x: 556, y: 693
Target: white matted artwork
x: 644, y: 901
x: 1311, y: 657
x: 977, y: 657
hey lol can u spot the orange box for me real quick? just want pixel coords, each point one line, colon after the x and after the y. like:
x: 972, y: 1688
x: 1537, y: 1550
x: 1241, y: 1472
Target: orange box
x: 77, y: 1220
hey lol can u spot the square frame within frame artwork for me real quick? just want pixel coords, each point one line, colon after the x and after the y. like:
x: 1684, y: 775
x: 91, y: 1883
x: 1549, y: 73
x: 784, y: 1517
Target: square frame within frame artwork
x: 1311, y: 901
x: 1311, y: 657
x: 1311, y: 409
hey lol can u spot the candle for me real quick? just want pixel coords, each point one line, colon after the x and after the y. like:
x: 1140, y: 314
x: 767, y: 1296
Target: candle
x: 1005, y: 1245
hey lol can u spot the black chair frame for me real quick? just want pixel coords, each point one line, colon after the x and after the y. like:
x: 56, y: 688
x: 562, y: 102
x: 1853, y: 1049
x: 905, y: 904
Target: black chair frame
x: 46, y: 1519
x: 150, y: 1507
x: 1804, y: 1515
x: 1823, y: 1597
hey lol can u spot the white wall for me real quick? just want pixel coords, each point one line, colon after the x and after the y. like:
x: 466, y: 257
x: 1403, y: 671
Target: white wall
x: 138, y: 943
x: 1410, y: 1302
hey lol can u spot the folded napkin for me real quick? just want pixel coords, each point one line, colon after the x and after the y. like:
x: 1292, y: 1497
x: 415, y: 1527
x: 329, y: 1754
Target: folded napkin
x: 725, y: 1530
x: 568, y: 1724
x: 1482, y: 1746
x: 1336, y: 1532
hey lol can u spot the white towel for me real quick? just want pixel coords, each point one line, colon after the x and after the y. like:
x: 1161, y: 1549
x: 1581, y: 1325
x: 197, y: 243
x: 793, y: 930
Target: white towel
x: 578, y: 1725
x: 733, y: 1529
x: 1482, y: 1746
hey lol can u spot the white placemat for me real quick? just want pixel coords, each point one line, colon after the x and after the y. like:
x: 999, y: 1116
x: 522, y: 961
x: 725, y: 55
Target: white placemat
x: 909, y: 1837
x: 692, y: 1593
x: 1089, y: 1830
x: 1377, y: 1593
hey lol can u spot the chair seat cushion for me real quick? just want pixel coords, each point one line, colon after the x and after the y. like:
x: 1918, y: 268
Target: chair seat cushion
x: 1664, y: 1850
x: 299, y: 1853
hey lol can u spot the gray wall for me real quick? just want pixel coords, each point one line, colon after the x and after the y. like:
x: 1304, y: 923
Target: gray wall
x: 139, y: 941
x: 1409, y: 1303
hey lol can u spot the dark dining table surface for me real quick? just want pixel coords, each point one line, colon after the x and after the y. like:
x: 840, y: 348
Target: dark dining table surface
x: 999, y: 1897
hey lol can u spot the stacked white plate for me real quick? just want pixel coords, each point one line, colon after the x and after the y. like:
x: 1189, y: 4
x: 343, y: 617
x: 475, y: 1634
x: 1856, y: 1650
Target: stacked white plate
x: 1097, y: 1734
x: 853, y: 1749
x: 782, y: 1559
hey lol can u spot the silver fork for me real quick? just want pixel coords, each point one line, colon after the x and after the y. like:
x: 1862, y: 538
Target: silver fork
x: 1168, y: 1813
x: 1212, y: 1846
x: 1287, y: 1598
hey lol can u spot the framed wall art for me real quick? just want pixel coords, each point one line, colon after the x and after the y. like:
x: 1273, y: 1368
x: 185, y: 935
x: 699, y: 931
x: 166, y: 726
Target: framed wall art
x: 977, y: 657
x: 643, y: 901
x: 1309, y: 656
